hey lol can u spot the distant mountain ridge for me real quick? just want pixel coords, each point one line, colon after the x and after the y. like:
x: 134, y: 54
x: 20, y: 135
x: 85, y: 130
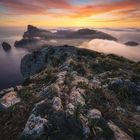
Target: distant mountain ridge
x: 35, y: 34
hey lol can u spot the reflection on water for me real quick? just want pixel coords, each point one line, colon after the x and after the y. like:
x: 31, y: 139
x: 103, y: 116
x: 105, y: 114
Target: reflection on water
x: 10, y: 67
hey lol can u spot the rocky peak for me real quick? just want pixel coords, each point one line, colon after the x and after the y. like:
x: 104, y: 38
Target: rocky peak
x: 31, y: 28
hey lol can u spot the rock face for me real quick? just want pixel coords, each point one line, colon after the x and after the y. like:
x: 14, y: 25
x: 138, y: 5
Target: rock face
x: 75, y: 94
x: 132, y: 43
x: 6, y: 46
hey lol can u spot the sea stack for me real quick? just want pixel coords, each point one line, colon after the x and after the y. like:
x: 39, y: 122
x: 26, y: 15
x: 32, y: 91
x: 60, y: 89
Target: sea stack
x: 6, y: 46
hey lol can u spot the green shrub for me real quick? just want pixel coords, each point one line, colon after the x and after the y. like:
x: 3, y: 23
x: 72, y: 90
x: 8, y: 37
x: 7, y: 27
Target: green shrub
x: 77, y: 66
x: 25, y: 94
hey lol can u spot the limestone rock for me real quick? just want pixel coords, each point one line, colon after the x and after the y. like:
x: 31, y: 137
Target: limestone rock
x: 94, y: 114
x: 34, y: 128
x: 76, y: 98
x: 119, y: 134
x: 9, y: 99
x: 18, y: 88
x: 57, y: 105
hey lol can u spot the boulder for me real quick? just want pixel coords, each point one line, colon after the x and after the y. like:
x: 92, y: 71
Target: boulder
x: 18, y: 88
x: 76, y: 98
x: 94, y: 114
x: 34, y: 128
x: 9, y: 99
x: 57, y: 104
x: 70, y: 108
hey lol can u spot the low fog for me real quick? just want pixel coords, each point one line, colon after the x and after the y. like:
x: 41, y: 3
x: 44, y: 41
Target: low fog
x: 113, y: 47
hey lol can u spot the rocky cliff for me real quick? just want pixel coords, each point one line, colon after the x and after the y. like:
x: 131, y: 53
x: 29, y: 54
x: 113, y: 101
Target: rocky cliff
x: 73, y: 94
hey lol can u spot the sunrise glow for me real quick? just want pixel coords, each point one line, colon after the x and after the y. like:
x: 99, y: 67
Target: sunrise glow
x: 70, y: 13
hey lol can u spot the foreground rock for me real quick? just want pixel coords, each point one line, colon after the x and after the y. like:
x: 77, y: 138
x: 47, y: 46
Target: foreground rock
x: 8, y: 100
x: 6, y: 46
x: 75, y: 94
x: 34, y: 127
x: 132, y: 43
x: 119, y: 134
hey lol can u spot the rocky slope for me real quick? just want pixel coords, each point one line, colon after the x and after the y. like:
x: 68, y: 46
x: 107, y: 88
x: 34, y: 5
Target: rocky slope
x: 73, y: 94
x: 34, y: 35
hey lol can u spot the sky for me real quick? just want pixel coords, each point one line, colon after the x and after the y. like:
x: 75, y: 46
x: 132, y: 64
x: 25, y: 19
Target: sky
x: 70, y: 13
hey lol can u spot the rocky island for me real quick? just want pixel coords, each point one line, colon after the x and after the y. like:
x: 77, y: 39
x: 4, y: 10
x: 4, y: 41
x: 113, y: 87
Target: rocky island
x: 35, y: 36
x: 73, y: 94
x: 6, y: 46
x: 132, y: 43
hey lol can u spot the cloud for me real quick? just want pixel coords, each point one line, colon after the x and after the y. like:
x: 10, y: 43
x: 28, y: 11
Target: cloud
x: 113, y: 47
x: 80, y: 12
x: 93, y: 9
x: 89, y: 8
x: 32, y: 6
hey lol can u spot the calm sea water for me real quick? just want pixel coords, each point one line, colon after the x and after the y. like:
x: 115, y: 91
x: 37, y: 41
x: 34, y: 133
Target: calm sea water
x: 10, y: 61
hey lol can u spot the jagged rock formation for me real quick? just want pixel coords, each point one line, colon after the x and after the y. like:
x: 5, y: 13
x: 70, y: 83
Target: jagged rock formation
x: 131, y: 43
x: 76, y: 94
x: 35, y: 34
x: 6, y: 46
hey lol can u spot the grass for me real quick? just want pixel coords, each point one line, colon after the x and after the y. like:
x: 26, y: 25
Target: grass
x: 77, y: 110
x: 88, y: 53
x: 77, y: 66
x: 136, y: 68
x: 123, y: 94
x: 25, y: 94
x: 82, y: 85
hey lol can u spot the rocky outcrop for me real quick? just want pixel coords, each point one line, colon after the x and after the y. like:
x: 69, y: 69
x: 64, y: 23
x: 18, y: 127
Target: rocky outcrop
x: 32, y: 37
x: 131, y: 43
x: 6, y: 46
x: 75, y: 94
x: 33, y: 32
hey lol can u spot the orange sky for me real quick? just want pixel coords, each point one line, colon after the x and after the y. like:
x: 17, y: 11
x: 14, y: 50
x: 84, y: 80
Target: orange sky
x: 95, y: 13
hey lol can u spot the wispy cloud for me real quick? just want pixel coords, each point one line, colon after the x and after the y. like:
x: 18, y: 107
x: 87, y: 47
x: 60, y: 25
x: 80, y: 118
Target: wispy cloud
x: 88, y: 10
